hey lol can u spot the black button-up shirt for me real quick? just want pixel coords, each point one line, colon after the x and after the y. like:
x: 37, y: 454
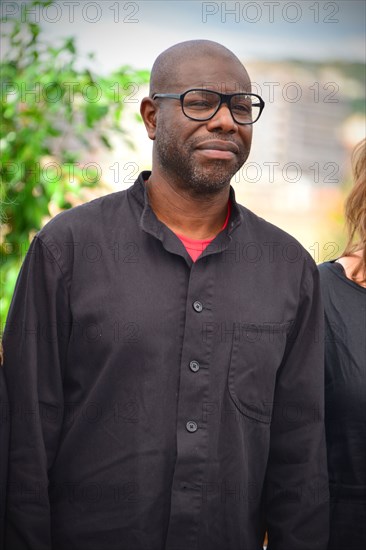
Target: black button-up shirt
x: 157, y: 403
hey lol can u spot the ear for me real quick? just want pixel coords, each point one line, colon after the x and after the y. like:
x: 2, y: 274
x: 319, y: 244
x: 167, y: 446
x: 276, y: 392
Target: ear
x: 148, y: 110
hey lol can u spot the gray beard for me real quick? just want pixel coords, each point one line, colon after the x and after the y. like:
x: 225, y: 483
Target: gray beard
x: 186, y: 173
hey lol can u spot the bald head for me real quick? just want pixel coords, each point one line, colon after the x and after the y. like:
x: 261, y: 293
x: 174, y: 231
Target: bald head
x: 198, y: 154
x: 165, y: 72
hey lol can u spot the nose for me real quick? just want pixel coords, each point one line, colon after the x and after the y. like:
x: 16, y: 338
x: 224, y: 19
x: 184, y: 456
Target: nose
x: 223, y: 120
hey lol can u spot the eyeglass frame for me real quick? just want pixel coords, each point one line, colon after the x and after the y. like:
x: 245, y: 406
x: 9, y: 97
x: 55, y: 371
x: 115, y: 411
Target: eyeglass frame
x: 224, y: 98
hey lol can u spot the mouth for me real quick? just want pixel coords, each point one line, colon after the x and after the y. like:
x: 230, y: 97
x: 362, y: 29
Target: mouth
x: 218, y: 149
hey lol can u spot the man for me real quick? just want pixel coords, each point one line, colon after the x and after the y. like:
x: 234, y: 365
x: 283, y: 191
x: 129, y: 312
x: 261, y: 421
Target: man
x: 163, y: 353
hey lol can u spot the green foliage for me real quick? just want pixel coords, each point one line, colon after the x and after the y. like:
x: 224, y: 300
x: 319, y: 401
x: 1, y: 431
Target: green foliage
x: 50, y: 109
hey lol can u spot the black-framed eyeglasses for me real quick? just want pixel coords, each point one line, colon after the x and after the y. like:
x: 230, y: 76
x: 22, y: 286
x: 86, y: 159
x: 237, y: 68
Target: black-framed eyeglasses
x: 198, y: 104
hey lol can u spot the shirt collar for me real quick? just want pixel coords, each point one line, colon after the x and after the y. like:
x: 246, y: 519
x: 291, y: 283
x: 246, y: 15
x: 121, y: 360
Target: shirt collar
x: 152, y: 225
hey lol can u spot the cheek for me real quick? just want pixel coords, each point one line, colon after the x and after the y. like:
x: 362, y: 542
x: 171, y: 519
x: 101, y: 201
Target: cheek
x: 246, y: 134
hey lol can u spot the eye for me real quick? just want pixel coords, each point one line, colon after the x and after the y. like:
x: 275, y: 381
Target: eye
x: 241, y: 107
x: 198, y: 103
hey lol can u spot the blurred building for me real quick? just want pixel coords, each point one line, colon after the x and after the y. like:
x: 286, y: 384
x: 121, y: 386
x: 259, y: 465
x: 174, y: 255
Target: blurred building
x: 301, y: 129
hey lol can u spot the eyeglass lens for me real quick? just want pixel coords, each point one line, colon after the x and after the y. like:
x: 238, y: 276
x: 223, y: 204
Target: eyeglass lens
x: 201, y: 104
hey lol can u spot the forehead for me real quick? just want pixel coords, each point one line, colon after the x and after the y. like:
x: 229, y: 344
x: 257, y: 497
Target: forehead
x: 218, y: 73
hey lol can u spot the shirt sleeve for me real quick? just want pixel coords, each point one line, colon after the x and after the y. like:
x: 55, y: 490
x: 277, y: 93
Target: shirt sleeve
x: 297, y: 480
x: 35, y: 346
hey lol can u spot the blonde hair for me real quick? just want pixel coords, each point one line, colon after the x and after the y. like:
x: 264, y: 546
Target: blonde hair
x: 355, y: 211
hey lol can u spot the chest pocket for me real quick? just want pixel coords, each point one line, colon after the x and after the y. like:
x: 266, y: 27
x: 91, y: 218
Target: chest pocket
x: 255, y: 358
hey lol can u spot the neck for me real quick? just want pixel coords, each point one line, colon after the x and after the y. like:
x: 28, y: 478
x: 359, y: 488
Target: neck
x: 192, y: 215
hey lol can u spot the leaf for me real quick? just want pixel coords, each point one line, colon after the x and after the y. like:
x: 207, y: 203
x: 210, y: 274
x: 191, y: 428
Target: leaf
x: 70, y: 45
x: 34, y: 29
x: 49, y: 127
x: 94, y: 113
x: 106, y: 141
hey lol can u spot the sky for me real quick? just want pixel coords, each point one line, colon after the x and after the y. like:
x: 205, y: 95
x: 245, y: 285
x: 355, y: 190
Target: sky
x: 135, y: 32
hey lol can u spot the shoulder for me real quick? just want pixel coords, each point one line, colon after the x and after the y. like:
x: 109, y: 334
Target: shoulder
x: 86, y: 211
x: 81, y: 218
x: 72, y: 233
x: 101, y: 214
x: 333, y: 281
x: 328, y: 270
x: 271, y: 238
x: 264, y: 228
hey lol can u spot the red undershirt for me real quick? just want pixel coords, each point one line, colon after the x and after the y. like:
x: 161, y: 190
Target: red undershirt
x: 195, y: 247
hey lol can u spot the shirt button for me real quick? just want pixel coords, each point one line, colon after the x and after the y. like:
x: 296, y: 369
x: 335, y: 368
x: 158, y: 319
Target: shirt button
x: 191, y: 426
x: 197, y: 306
x: 194, y: 366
